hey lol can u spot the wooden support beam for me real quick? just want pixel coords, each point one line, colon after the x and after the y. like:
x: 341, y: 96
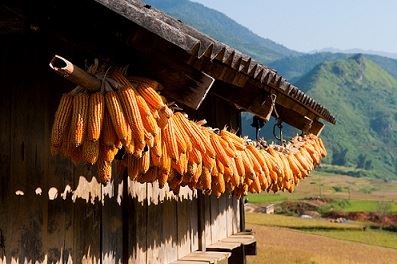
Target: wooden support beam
x: 253, y: 100
x: 74, y: 74
x: 316, y: 128
x: 293, y: 118
x: 258, y: 102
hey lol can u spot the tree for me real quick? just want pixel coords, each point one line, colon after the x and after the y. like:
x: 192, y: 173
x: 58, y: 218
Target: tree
x: 339, y: 156
x: 368, y: 165
x: 384, y: 208
x: 361, y: 161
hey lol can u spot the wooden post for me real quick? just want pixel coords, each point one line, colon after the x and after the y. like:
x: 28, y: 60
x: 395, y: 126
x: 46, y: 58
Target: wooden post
x: 74, y: 74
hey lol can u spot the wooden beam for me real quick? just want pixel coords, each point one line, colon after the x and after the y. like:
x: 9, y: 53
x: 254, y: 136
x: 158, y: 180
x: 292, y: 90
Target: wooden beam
x: 293, y: 118
x: 74, y: 74
x: 254, y: 100
x: 258, y: 102
x: 316, y: 128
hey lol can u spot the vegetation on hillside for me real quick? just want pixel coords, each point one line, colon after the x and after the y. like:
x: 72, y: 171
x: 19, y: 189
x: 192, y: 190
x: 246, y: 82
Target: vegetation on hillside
x: 363, y: 96
x: 224, y: 29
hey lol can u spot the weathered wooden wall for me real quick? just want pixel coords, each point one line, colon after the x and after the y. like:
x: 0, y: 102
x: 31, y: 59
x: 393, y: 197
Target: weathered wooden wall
x: 54, y: 212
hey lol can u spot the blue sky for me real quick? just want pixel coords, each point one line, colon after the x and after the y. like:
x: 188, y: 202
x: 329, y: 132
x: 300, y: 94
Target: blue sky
x: 308, y: 25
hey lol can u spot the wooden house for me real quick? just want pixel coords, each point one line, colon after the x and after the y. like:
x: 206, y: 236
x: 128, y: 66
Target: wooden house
x: 54, y: 212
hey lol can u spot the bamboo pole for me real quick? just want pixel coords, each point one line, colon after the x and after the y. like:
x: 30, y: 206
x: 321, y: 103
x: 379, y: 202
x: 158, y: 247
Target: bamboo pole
x: 74, y: 74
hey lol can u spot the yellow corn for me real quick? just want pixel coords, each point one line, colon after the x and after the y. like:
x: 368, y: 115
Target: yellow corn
x: 90, y: 151
x: 248, y: 166
x: 150, y: 95
x: 132, y: 164
x: 240, y: 165
x: 180, y: 140
x: 149, y: 122
x: 219, y: 150
x: 95, y: 116
x: 168, y: 137
x: 204, y: 135
x: 116, y: 115
x: 109, y: 136
x: 231, y: 152
x: 62, y: 120
x: 205, y: 179
x: 130, y: 106
x: 108, y: 153
x: 104, y: 170
x: 187, y: 127
x: 183, y: 134
x: 79, y: 118
x: 233, y: 139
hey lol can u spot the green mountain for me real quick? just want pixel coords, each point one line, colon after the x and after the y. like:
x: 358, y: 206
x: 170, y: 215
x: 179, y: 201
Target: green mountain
x: 363, y: 96
x: 220, y: 27
x: 293, y: 68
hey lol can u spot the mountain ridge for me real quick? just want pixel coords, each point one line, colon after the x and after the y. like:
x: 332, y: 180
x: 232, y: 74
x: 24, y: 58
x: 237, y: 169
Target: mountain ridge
x: 364, y: 98
x: 219, y: 26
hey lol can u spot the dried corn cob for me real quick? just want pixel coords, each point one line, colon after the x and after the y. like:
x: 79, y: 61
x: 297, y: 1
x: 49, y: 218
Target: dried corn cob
x: 104, y: 169
x: 205, y: 179
x: 95, y: 116
x: 233, y: 139
x: 182, y: 147
x: 183, y: 134
x: 90, y: 151
x: 130, y: 106
x: 108, y: 153
x: 109, y: 136
x: 79, y: 118
x: 151, y: 96
x: 116, y: 115
x: 61, y: 120
x: 149, y: 122
x: 168, y: 136
x: 194, y: 137
x: 219, y: 150
x: 203, y: 134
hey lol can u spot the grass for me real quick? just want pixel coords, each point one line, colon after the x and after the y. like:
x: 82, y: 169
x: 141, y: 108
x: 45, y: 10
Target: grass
x: 298, y: 223
x: 369, y: 237
x: 286, y: 239
x: 282, y: 245
x: 359, y: 206
x: 266, y: 198
x: 361, y: 191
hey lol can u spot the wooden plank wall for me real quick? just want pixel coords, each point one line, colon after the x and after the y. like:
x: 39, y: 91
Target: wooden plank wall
x: 54, y: 212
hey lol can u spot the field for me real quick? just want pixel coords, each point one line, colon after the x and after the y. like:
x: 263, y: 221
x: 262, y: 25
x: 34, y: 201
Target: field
x: 282, y: 245
x: 291, y: 239
x: 335, y: 187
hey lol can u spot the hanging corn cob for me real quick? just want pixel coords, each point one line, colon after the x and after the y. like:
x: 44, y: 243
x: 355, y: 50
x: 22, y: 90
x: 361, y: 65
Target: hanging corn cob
x: 79, y: 118
x: 168, y: 147
x: 62, y: 121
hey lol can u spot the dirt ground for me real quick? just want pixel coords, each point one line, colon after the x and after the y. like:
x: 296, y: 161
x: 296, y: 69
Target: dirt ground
x: 280, y: 245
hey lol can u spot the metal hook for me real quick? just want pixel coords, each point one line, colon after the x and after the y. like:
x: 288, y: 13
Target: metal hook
x: 280, y: 127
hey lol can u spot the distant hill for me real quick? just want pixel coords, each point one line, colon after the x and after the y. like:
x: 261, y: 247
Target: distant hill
x: 293, y: 68
x: 220, y: 27
x: 363, y: 97
x: 355, y: 51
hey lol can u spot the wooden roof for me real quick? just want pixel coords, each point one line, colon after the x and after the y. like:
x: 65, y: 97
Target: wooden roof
x: 227, y: 65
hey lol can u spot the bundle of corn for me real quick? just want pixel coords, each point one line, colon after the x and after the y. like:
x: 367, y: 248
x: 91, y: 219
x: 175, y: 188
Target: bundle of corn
x: 168, y: 147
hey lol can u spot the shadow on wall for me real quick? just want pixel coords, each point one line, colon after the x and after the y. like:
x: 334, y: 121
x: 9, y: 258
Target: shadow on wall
x: 87, y: 222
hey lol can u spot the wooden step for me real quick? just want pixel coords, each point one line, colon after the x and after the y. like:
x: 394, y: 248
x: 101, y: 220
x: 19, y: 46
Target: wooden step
x: 248, y: 241
x: 203, y: 257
